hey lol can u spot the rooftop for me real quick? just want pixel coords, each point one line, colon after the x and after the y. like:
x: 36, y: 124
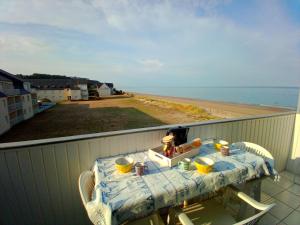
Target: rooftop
x: 10, y: 76
x: 3, y: 78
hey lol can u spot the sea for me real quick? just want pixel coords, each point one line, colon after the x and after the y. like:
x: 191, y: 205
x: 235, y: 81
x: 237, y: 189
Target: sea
x: 286, y: 97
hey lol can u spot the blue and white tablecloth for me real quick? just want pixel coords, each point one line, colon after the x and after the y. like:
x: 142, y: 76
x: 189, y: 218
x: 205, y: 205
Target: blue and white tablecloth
x: 119, y: 197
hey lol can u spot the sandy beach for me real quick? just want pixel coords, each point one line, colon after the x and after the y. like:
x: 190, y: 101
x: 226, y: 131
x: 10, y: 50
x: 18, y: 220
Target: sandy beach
x: 221, y: 109
x: 126, y: 112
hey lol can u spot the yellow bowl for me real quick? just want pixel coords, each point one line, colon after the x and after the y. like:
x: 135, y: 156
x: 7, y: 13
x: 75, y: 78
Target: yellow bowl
x: 124, y: 165
x: 221, y: 143
x: 204, y: 164
x: 218, y: 146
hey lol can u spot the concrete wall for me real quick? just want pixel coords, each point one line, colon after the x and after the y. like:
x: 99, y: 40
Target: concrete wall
x: 4, y: 116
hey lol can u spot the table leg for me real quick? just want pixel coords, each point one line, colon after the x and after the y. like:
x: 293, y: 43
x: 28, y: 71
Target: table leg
x: 257, y: 190
x: 185, y: 203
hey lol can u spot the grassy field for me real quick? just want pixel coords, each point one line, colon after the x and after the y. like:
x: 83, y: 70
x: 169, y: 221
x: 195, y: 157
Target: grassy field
x: 84, y: 117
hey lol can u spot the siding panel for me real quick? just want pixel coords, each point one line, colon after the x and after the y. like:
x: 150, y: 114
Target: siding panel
x: 52, y: 180
x: 39, y: 173
x: 18, y: 186
x: 30, y: 186
x: 8, y: 203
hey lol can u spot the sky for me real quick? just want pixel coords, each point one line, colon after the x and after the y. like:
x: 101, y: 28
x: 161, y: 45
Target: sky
x: 155, y: 43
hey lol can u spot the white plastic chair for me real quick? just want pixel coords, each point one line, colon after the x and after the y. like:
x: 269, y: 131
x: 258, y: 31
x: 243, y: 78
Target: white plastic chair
x: 256, y: 149
x: 253, y: 187
x: 86, y: 185
x: 212, y: 212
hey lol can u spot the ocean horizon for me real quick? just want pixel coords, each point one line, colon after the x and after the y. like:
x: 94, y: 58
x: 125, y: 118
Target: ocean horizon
x: 286, y: 97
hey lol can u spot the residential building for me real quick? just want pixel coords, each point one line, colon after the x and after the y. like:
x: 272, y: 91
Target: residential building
x: 15, y: 101
x: 57, y: 90
x: 104, y: 90
x: 66, y: 89
x: 98, y: 89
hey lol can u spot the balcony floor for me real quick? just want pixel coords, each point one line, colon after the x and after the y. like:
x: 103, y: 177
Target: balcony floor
x: 286, y: 195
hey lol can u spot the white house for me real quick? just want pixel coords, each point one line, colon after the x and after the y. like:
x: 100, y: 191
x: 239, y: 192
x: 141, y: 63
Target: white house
x: 104, y: 90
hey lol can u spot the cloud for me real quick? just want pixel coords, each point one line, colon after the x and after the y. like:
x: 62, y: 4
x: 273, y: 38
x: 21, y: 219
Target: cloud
x: 151, y: 63
x: 10, y: 43
x: 183, y: 40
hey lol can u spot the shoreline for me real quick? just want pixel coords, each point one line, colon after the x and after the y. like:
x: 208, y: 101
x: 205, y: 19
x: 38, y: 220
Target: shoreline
x: 219, y: 108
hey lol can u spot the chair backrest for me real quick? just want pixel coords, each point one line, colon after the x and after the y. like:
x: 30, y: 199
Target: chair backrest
x: 86, y: 185
x: 256, y: 149
x: 254, y: 219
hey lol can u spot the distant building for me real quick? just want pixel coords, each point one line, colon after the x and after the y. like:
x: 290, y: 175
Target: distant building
x: 16, y: 102
x: 104, y: 90
x: 57, y: 90
x: 98, y: 89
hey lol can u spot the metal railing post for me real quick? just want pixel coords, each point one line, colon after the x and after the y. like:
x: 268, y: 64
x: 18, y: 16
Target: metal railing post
x: 293, y: 164
x: 298, y: 107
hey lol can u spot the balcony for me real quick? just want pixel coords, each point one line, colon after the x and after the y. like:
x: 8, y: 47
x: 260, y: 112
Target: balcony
x: 12, y: 92
x: 18, y: 105
x: 12, y: 107
x: 39, y: 178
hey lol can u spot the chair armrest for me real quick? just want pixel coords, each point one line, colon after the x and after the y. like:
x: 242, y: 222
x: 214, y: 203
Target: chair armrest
x: 257, y: 205
x: 184, y: 219
x: 246, y: 198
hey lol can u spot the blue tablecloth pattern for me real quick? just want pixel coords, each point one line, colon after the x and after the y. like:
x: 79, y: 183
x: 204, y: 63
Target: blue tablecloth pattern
x: 120, y: 197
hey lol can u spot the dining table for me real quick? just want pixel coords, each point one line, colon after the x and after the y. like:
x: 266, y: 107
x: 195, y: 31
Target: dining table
x: 119, y: 197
